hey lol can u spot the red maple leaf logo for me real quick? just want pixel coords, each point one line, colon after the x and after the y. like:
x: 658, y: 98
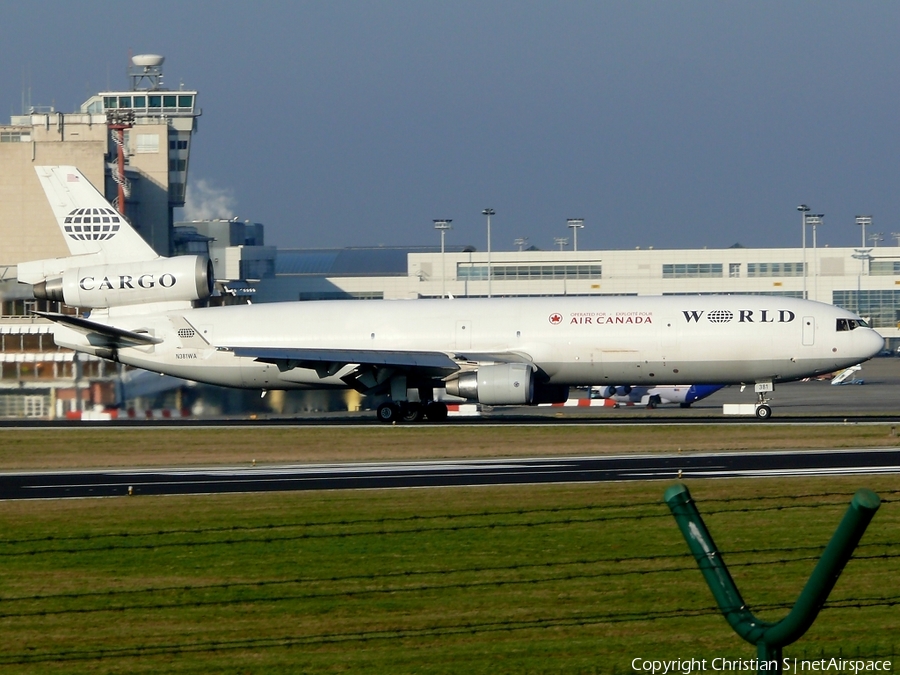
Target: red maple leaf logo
x: 555, y: 318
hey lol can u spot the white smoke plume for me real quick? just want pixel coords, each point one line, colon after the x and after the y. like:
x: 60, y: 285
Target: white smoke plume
x: 204, y: 201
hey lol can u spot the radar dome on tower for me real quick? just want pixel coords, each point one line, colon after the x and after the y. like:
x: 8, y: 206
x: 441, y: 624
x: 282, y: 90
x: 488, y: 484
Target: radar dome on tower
x: 148, y: 60
x: 146, y: 71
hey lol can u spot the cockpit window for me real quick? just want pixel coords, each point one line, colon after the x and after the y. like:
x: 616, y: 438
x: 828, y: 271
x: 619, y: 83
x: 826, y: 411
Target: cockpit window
x: 850, y: 324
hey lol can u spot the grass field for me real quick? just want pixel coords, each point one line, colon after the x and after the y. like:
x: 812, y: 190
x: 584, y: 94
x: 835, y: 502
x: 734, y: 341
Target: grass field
x: 118, y: 447
x: 540, y: 579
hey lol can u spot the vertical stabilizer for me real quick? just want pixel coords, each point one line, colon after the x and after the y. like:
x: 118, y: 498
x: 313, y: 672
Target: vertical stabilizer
x: 89, y: 223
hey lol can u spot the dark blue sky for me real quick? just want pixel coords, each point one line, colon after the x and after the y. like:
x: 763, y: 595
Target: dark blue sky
x: 665, y: 124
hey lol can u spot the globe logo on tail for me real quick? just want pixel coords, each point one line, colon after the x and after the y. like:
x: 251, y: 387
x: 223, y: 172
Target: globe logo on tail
x: 92, y: 224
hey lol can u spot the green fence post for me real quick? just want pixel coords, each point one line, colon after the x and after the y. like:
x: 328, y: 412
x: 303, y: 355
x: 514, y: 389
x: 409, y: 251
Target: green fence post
x: 770, y: 638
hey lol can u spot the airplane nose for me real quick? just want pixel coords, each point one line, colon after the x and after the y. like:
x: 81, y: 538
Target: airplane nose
x: 873, y: 344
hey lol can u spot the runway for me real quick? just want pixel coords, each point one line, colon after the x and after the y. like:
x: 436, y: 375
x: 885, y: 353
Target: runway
x: 81, y: 484
x: 813, y: 402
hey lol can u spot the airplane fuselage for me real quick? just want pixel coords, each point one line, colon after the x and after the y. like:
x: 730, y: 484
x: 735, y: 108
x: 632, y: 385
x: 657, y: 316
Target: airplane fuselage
x: 636, y: 340
x: 496, y: 351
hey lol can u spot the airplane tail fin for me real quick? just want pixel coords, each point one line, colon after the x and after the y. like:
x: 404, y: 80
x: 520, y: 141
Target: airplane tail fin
x: 110, y: 265
x: 89, y: 223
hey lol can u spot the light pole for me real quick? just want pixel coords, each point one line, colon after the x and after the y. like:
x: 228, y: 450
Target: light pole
x: 862, y: 221
x: 896, y: 235
x: 803, y: 208
x: 561, y: 242
x: 442, y: 226
x: 815, y: 220
x: 576, y: 224
x: 861, y: 254
x: 489, y: 213
x: 875, y: 237
x: 520, y: 242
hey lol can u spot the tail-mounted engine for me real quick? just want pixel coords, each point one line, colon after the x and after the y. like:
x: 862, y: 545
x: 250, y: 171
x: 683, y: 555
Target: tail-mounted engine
x: 185, y: 278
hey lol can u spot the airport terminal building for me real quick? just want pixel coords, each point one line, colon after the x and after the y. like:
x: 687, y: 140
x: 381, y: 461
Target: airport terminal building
x: 866, y: 281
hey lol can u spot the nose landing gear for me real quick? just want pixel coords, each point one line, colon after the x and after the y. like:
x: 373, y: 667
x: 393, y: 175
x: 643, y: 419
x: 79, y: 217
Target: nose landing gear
x: 763, y: 410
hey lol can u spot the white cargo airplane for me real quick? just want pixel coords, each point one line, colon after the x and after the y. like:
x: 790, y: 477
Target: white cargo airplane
x: 500, y: 351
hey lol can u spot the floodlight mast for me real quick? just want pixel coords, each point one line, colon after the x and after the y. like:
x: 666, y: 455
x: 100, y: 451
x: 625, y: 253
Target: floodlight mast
x: 576, y: 224
x: 803, y: 209
x: 442, y: 226
x: 488, y: 213
x: 862, y: 221
x: 814, y: 220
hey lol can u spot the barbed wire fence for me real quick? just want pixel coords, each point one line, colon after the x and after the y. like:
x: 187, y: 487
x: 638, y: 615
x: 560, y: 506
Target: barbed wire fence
x: 441, y: 579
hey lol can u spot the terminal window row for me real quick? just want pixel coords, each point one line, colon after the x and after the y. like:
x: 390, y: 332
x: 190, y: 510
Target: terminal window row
x: 775, y: 269
x: 691, y: 270
x: 477, y: 272
x: 715, y: 270
x: 785, y: 294
x: 881, y: 308
x: 884, y: 268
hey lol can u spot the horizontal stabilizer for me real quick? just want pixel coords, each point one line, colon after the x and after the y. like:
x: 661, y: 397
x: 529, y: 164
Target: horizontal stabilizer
x: 398, y: 359
x: 114, y: 337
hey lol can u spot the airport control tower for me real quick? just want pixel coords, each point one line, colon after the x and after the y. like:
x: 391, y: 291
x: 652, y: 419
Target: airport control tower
x: 134, y: 145
x: 150, y: 131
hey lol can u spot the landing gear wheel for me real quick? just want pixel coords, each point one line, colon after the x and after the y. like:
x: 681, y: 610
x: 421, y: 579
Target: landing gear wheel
x: 412, y: 412
x: 763, y: 412
x: 436, y: 412
x: 654, y: 401
x: 388, y: 413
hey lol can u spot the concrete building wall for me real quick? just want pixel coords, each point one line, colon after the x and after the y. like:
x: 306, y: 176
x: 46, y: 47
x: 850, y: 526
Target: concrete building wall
x: 27, y: 227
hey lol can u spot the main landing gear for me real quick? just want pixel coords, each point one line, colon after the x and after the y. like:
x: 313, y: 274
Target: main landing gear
x: 408, y: 412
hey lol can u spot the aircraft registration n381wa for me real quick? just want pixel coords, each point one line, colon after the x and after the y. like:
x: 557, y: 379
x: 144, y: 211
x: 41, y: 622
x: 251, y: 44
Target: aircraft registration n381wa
x: 496, y: 351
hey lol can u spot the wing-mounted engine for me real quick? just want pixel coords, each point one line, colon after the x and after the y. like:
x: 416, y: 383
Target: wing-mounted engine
x: 184, y: 278
x: 505, y: 384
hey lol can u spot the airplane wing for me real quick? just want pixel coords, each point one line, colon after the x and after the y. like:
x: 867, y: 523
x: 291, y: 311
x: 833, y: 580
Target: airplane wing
x: 373, y: 368
x: 398, y: 359
x: 100, y: 334
x: 493, y: 357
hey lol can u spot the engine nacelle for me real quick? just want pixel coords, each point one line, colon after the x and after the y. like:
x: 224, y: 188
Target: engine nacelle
x: 498, y: 384
x: 613, y: 391
x: 185, y: 278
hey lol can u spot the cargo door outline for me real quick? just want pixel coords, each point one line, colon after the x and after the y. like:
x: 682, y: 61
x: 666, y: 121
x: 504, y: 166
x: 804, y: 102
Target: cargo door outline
x: 809, y: 331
